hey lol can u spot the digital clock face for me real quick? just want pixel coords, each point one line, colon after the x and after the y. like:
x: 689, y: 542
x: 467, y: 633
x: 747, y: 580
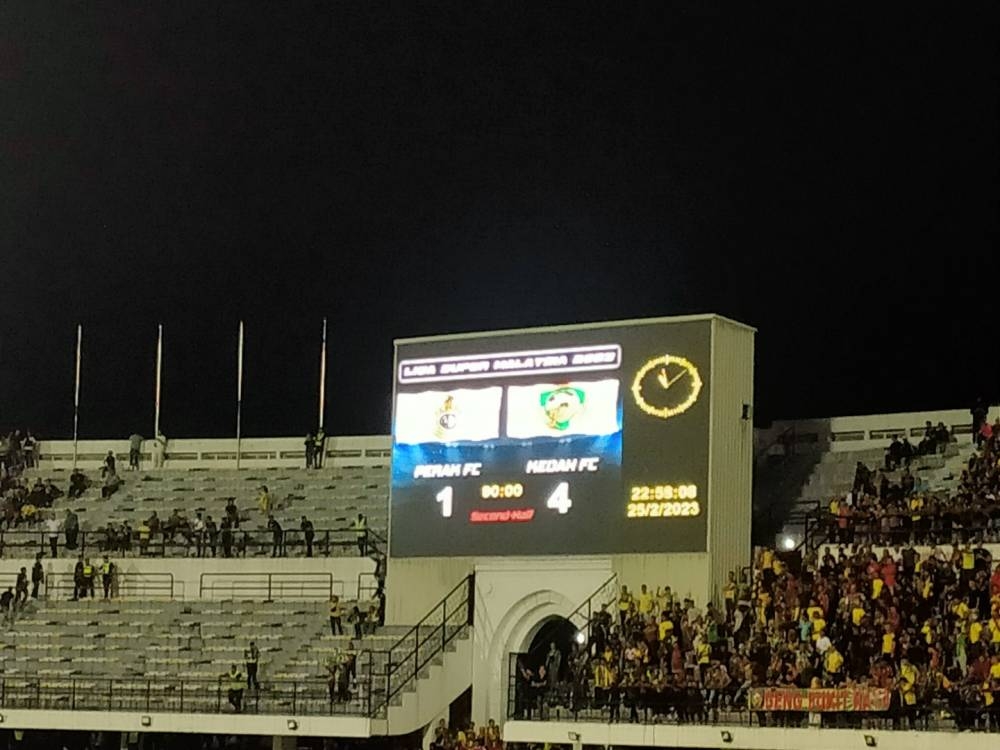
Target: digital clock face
x: 575, y: 440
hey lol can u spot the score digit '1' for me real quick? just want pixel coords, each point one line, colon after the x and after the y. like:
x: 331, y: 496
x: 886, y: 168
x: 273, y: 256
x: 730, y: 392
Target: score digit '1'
x: 444, y: 498
x: 560, y: 499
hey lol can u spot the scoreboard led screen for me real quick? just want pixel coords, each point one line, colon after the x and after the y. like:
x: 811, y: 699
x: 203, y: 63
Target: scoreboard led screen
x: 570, y: 440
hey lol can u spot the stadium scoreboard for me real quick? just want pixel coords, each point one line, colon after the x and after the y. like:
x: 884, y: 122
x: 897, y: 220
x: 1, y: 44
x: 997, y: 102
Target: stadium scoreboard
x: 582, y: 439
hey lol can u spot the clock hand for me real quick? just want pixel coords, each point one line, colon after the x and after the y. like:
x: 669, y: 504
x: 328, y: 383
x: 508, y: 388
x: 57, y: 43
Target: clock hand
x: 667, y: 381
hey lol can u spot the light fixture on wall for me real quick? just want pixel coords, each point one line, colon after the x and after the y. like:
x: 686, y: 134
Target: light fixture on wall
x: 727, y: 737
x: 145, y: 720
x: 870, y: 740
x: 293, y: 725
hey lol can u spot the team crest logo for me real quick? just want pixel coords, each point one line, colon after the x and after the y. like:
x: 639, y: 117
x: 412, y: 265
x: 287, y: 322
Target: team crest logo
x: 562, y: 405
x: 447, y: 418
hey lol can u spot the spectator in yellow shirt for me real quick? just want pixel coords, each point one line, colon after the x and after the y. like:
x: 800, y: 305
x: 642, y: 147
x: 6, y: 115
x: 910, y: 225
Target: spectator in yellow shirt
x: 888, y: 642
x: 666, y: 629
x: 857, y: 614
x: 833, y: 662
x: 624, y: 604
x: 818, y: 624
x: 975, y: 629
x: 645, y: 601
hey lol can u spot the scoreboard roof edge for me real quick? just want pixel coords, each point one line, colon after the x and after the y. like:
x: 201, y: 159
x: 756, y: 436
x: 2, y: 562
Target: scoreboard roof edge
x: 575, y: 327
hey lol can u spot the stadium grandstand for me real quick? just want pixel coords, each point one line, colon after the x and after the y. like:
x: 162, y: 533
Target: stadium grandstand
x: 275, y: 591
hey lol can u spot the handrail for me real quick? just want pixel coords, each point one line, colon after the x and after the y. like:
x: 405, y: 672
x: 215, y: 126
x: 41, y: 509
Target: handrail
x: 367, y: 585
x: 464, y: 607
x: 26, y: 542
x: 195, y: 695
x: 588, y: 605
x: 272, y: 586
x: 125, y: 584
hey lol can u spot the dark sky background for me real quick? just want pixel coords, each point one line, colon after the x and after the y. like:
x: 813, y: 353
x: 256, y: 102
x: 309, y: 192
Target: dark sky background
x: 827, y: 175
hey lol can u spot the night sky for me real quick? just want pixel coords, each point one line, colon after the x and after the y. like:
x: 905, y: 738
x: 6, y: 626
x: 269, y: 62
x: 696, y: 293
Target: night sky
x: 827, y: 175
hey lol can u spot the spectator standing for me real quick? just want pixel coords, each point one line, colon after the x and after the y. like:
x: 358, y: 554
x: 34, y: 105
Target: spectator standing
x: 52, y: 531
x: 336, y: 616
x: 320, y: 450
x: 310, y: 443
x: 251, y: 658
x: 264, y: 500
x: 110, y: 464
x: 21, y: 588
x: 88, y: 579
x: 211, y: 534
x: 30, y: 450
x: 553, y: 661
x: 357, y: 619
x: 37, y: 575
x: 7, y: 606
x: 979, y: 412
x: 159, y: 450
x: 308, y: 533
x: 107, y: 577
x: 71, y: 527
x: 198, y: 529
x: 277, y: 548
x: 134, y: 451
x: 78, y: 585
x: 361, y: 533
x: 227, y: 538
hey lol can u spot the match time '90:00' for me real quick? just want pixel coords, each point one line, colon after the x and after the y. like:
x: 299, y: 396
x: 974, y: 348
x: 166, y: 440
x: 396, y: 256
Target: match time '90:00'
x: 646, y: 492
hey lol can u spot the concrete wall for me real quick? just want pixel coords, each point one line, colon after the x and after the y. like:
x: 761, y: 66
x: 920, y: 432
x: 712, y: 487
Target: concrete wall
x: 121, y: 721
x: 741, y: 737
x: 730, y: 466
x: 414, y: 585
x: 687, y: 574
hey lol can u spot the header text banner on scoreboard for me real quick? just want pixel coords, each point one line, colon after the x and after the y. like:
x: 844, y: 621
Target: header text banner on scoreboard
x: 571, y: 440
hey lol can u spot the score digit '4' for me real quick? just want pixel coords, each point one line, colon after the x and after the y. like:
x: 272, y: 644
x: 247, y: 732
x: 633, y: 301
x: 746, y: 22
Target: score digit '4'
x: 559, y: 499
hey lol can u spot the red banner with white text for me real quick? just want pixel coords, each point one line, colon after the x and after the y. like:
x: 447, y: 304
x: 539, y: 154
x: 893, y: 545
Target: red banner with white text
x: 818, y: 700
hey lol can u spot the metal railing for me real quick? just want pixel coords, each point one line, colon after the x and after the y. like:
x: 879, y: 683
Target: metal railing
x: 123, y: 584
x: 367, y: 586
x: 422, y: 643
x: 952, y: 526
x: 730, y: 706
x: 582, y: 616
x: 269, y: 586
x: 242, y: 543
x: 316, y: 697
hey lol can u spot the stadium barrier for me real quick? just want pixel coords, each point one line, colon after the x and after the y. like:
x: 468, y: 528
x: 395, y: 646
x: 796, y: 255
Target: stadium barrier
x: 25, y: 543
x: 269, y: 586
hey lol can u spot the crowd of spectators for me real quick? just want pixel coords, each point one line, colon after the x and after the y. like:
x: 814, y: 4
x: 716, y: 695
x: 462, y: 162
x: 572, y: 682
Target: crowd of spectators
x: 18, y: 451
x: 894, y: 506
x: 921, y: 624
x: 649, y: 656
x: 925, y: 627
x: 28, y: 506
x: 470, y: 737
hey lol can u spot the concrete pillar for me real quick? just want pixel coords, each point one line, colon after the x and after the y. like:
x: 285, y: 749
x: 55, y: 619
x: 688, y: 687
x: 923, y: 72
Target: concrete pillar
x: 282, y: 743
